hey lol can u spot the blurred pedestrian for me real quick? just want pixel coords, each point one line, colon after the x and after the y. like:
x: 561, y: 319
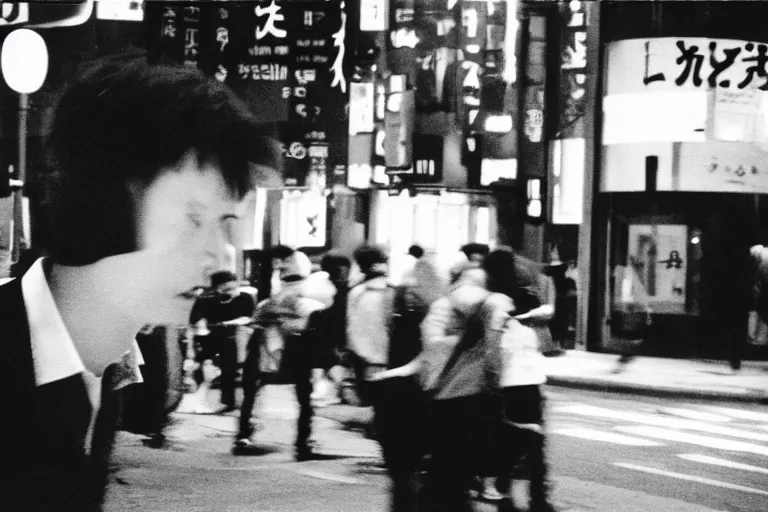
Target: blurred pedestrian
x: 224, y: 311
x: 145, y: 164
x: 146, y: 409
x: 382, y: 329
x: 284, y: 317
x: 543, y: 318
x: 327, y: 330
x: 758, y: 311
x: 637, y: 314
x: 452, y: 335
x: 520, y: 379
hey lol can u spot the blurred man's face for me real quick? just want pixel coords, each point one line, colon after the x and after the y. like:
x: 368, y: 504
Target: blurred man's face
x: 185, y: 220
x: 229, y: 289
x: 476, y: 257
x: 377, y: 269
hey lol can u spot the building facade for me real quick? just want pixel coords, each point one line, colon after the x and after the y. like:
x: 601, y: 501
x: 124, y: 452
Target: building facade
x: 675, y: 185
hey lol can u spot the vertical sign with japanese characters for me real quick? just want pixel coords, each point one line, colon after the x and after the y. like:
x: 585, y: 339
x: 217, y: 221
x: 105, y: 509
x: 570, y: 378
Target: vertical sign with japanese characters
x: 191, y: 23
x: 403, y: 38
x: 472, y: 36
x: 224, y: 28
x: 283, y: 58
x: 317, y: 94
x: 176, y: 33
x: 166, y: 33
x: 573, y: 69
x: 263, y: 68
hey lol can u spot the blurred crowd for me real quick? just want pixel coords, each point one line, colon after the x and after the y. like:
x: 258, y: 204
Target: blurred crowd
x: 449, y: 360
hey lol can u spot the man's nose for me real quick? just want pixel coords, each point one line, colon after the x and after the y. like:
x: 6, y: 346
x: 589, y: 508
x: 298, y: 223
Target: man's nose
x: 217, y: 245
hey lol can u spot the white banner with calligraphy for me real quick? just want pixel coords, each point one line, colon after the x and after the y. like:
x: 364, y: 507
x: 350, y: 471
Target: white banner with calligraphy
x: 718, y: 166
x: 675, y: 63
x: 689, y: 89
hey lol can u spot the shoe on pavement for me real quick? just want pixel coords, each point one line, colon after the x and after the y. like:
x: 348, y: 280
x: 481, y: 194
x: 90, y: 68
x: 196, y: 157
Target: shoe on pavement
x: 224, y: 409
x: 305, y: 455
x: 244, y: 446
x: 156, y: 441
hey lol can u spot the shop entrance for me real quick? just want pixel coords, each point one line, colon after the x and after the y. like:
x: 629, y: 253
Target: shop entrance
x: 677, y: 275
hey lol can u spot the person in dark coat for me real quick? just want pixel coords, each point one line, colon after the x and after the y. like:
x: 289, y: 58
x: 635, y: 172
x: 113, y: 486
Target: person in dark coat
x: 326, y: 329
x: 146, y: 166
x: 223, y: 312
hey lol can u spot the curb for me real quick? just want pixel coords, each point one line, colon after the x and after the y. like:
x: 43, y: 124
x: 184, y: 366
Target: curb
x: 749, y: 396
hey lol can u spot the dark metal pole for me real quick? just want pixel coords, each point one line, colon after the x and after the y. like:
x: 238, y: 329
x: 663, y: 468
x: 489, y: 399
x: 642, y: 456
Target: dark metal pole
x: 18, y: 184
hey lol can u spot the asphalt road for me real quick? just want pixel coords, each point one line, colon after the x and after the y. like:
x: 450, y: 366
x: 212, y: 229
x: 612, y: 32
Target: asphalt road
x: 612, y: 453
x: 705, y: 453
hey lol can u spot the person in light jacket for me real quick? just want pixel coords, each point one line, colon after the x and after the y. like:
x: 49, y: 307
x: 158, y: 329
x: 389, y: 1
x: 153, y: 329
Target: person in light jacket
x: 459, y: 408
x: 521, y: 375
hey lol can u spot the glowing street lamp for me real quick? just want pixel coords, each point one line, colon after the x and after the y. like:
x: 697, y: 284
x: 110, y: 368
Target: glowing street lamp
x: 24, y: 62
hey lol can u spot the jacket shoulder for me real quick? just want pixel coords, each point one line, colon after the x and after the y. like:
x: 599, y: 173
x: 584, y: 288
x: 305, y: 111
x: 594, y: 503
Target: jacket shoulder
x: 466, y: 297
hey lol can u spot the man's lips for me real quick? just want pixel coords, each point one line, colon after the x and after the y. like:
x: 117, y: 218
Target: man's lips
x: 193, y: 293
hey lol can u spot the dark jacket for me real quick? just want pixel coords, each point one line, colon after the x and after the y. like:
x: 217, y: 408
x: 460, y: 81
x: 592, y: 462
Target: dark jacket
x: 326, y: 333
x: 43, y: 465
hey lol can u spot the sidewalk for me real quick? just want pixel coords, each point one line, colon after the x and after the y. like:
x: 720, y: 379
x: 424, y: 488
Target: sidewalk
x: 685, y: 378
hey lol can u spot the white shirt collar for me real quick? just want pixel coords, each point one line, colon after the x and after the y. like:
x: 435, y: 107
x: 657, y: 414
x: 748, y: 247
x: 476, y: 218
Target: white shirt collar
x: 53, y: 351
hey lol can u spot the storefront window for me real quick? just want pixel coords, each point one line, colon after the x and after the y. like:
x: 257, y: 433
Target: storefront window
x: 303, y: 217
x: 655, y: 274
x: 482, y: 225
x: 440, y: 222
x: 653, y: 278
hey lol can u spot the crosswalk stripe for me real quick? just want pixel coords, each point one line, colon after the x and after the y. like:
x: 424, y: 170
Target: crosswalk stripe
x: 686, y: 437
x: 320, y: 475
x: 607, y: 437
x: 691, y: 478
x: 695, y: 415
x: 706, y: 459
x: 661, y: 421
x: 739, y: 413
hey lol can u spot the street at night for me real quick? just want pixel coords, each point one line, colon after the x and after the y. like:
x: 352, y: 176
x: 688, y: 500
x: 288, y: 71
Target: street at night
x: 384, y: 256
x: 609, y: 452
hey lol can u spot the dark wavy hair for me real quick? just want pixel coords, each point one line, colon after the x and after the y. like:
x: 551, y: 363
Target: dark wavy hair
x: 120, y: 125
x: 475, y: 248
x: 501, y: 272
x: 512, y: 277
x: 367, y: 256
x: 332, y: 263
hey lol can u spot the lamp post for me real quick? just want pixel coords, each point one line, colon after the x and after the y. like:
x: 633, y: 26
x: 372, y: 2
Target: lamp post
x: 24, y: 62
